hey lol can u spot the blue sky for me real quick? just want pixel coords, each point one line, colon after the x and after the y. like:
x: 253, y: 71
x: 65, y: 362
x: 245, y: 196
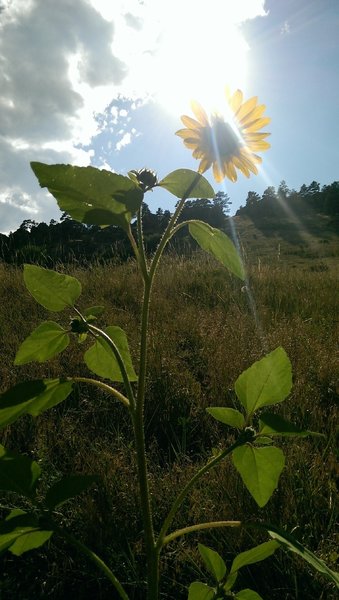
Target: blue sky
x: 105, y: 83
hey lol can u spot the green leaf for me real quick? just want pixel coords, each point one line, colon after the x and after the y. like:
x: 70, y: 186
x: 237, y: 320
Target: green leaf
x: 228, y: 416
x: 248, y: 595
x: 230, y: 581
x: 184, y: 183
x: 289, y: 542
x: 32, y: 397
x: 21, y: 532
x: 260, y: 469
x: 18, y: 473
x: 67, y: 488
x: 46, y: 341
x: 263, y: 441
x: 219, y: 245
x: 267, y: 381
x: 101, y: 360
x: 200, y: 591
x: 90, y: 195
x: 213, y: 562
x: 254, y: 555
x: 272, y: 424
x: 93, y: 312
x: 52, y: 290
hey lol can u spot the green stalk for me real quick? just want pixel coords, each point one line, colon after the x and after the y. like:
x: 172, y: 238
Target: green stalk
x: 96, y: 559
x: 141, y: 245
x: 138, y: 421
x: 152, y: 549
x: 198, y: 475
x: 199, y: 527
x: 104, y: 386
x: 168, y: 231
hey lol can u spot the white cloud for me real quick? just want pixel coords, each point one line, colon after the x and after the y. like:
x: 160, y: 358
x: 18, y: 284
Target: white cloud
x: 285, y: 28
x: 61, y: 65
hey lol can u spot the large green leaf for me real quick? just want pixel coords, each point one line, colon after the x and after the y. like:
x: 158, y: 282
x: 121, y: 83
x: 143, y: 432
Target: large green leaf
x: 90, y: 195
x: 184, y: 183
x: 21, y: 532
x: 260, y: 469
x: 289, y: 542
x: 200, y: 591
x: 52, y: 290
x: 18, y: 473
x: 66, y: 488
x: 248, y: 595
x: 213, y: 562
x: 228, y: 416
x: 218, y: 244
x: 272, y: 424
x: 267, y: 381
x: 254, y: 555
x: 32, y: 397
x: 46, y: 341
x: 101, y: 360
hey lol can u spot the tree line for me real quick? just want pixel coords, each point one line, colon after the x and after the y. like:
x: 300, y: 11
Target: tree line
x: 70, y: 241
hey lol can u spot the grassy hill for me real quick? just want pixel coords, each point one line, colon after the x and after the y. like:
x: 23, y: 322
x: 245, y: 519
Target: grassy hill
x: 310, y: 241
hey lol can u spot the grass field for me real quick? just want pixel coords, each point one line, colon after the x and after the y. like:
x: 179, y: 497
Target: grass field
x: 206, y: 328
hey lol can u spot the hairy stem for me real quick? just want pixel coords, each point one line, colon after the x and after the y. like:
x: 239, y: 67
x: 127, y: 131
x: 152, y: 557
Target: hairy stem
x: 100, y: 333
x: 191, y: 483
x: 104, y: 386
x: 152, y: 550
x: 96, y: 559
x: 199, y: 527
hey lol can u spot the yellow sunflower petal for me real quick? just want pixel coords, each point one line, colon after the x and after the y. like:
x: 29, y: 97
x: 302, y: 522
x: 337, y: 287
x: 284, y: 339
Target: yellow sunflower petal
x: 230, y: 171
x: 256, y: 113
x: 190, y: 123
x: 190, y: 144
x: 260, y: 145
x: 204, y: 165
x: 188, y: 133
x: 257, y: 124
x: 246, y: 108
x: 199, y: 113
x: 235, y: 100
x: 217, y: 172
x: 256, y: 136
x: 197, y: 153
x: 241, y: 166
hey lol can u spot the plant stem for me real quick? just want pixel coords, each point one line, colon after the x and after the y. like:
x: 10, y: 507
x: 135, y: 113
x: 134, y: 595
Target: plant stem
x: 198, y: 475
x: 104, y: 386
x: 139, y: 252
x: 138, y: 421
x: 96, y: 559
x: 199, y: 527
x: 141, y: 245
x: 99, y: 332
x: 152, y: 550
x: 168, y: 231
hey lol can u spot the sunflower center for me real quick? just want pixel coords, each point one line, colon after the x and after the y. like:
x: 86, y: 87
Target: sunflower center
x: 224, y: 138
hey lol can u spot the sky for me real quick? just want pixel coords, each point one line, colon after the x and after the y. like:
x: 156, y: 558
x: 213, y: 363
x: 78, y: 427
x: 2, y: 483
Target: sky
x: 104, y: 83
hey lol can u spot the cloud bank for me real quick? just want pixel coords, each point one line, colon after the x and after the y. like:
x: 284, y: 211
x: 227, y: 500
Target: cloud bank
x: 61, y: 65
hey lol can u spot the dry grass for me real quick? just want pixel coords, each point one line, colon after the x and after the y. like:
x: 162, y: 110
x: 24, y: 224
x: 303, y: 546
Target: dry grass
x: 205, y: 329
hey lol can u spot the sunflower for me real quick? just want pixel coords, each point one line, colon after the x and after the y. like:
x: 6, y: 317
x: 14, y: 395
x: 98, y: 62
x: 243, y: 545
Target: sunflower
x: 227, y: 145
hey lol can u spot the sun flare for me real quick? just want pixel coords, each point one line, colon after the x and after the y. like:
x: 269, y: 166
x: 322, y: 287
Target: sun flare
x: 198, y: 54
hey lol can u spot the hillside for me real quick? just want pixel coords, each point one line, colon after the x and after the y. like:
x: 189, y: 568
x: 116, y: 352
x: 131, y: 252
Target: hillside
x: 293, y: 241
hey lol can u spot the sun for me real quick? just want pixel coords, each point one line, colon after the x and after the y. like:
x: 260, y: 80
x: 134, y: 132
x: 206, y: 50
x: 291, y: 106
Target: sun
x: 200, y: 51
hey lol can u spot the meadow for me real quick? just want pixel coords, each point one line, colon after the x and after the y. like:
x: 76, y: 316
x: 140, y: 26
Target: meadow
x: 206, y: 328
